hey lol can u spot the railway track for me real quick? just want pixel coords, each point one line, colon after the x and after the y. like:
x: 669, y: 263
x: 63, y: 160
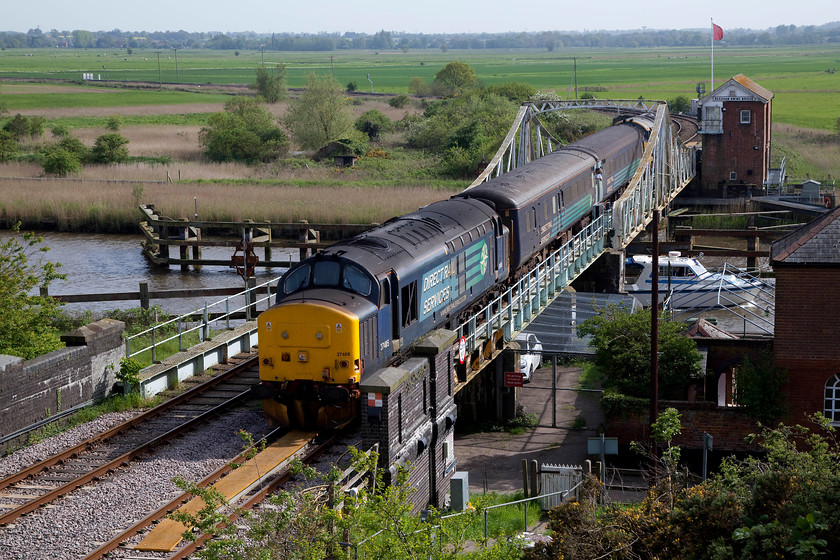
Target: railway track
x: 254, y: 494
x: 51, y: 478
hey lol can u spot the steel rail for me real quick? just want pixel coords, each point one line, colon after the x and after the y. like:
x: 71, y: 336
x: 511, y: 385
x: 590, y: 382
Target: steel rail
x: 174, y: 503
x: 104, y: 469
x: 281, y: 478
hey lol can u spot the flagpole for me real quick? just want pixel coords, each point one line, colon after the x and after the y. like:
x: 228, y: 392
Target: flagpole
x: 711, y: 89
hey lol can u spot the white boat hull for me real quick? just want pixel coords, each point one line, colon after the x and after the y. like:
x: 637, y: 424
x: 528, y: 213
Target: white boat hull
x: 688, y: 284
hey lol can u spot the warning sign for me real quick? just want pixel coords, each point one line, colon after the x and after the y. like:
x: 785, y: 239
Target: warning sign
x: 513, y: 379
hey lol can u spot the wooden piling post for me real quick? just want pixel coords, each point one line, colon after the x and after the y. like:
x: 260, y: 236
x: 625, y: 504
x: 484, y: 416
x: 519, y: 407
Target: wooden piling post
x: 752, y: 245
x: 267, y: 256
x: 144, y: 295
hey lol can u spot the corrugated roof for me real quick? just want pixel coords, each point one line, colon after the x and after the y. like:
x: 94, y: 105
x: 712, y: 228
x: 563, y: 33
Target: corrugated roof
x: 764, y: 93
x: 817, y: 242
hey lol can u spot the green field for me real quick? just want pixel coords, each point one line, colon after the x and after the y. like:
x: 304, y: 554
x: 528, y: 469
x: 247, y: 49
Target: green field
x: 806, y: 95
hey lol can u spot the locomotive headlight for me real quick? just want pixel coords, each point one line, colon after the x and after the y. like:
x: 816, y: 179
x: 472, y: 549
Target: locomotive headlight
x: 319, y: 335
x: 343, y: 363
x: 303, y: 356
x: 285, y: 334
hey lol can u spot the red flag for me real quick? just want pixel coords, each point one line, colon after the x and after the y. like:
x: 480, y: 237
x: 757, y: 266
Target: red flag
x: 717, y: 31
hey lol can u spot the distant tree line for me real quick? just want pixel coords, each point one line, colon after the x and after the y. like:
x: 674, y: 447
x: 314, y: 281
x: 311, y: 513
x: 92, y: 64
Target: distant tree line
x: 386, y: 40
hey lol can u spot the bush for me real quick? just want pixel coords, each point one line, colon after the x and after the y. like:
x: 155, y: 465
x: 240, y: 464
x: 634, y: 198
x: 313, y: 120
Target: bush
x: 373, y: 123
x: 109, y: 148
x: 399, y: 101
x: 244, y: 131
x: 17, y: 126
x: 58, y: 161
x: 514, y: 91
x: 622, y: 350
x: 59, y: 130
x: 760, y: 388
x: 75, y: 147
x: 113, y: 123
x: 36, y: 126
x: 8, y: 145
x: 352, y: 86
x: 271, y: 83
x: 679, y: 104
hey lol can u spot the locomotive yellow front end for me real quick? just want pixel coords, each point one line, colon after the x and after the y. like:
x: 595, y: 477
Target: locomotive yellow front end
x: 310, y: 364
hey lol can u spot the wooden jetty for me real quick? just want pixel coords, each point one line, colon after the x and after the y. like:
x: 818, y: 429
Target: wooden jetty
x: 163, y: 234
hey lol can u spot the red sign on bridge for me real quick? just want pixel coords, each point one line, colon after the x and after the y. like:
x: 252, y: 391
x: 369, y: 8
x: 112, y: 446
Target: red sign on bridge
x: 513, y: 379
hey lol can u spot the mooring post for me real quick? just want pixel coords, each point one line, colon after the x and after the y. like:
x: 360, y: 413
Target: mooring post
x: 752, y: 245
x: 144, y: 295
x: 252, y: 298
x: 267, y: 256
x: 183, y: 250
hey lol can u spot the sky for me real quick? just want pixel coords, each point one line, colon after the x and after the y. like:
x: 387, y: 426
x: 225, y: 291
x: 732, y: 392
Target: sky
x: 424, y: 16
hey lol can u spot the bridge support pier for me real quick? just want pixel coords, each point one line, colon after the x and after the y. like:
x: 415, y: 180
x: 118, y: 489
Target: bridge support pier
x: 410, y: 412
x: 605, y: 275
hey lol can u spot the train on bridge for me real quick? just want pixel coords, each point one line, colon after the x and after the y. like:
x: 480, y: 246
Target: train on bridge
x: 358, y: 305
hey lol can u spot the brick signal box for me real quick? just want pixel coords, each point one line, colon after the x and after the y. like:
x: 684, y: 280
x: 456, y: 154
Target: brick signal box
x: 735, y: 124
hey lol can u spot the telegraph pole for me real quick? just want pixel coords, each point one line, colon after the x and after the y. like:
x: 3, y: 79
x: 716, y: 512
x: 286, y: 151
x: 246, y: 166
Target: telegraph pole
x: 160, y: 79
x: 177, y: 77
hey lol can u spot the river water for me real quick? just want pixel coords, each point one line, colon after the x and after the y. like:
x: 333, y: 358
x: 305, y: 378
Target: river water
x: 100, y: 263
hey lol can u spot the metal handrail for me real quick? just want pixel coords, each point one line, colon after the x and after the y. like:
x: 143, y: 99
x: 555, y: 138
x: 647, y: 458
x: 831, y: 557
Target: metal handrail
x: 202, y: 326
x: 516, y: 306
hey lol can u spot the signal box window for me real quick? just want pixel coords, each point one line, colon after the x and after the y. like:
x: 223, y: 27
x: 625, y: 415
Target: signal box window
x: 745, y: 116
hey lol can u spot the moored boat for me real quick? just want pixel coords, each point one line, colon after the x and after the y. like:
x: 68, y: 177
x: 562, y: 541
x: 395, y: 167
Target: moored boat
x: 687, y: 283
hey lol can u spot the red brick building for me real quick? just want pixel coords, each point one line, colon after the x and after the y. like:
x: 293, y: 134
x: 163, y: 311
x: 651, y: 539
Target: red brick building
x: 807, y: 267
x: 735, y: 124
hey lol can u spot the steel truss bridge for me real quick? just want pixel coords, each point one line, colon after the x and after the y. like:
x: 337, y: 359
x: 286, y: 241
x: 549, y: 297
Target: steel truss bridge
x: 666, y: 167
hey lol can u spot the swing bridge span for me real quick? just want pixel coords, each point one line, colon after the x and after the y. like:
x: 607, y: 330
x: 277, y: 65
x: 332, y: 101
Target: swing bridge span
x: 666, y: 168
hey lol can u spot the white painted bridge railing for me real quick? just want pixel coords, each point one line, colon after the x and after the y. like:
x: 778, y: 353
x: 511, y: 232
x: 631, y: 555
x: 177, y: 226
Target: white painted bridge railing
x: 528, y: 140
x: 666, y: 168
x: 516, y: 307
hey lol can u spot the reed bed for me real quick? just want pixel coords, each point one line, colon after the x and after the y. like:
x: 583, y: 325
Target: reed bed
x: 810, y: 153
x: 110, y: 206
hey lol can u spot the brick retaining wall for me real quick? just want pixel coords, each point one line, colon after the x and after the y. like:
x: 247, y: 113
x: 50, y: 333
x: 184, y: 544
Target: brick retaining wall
x: 32, y: 390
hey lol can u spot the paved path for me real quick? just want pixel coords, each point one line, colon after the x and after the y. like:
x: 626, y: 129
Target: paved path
x: 494, y: 460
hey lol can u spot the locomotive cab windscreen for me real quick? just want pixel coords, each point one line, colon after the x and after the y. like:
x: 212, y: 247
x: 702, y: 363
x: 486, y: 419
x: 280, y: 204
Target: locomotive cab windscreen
x: 329, y: 273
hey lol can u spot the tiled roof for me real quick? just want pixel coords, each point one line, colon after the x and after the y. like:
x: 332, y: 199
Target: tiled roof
x: 764, y: 93
x: 817, y: 242
x: 744, y: 82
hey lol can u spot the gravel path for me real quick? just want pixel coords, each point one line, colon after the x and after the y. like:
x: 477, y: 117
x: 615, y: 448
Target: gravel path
x: 77, y: 523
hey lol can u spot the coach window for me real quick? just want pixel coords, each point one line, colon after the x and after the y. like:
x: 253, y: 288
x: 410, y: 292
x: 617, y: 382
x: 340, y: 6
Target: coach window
x: 297, y: 279
x: 832, y: 399
x: 745, y: 116
x: 326, y: 273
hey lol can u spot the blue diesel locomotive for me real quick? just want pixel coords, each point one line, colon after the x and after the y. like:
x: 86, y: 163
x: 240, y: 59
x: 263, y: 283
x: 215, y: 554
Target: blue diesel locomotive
x: 355, y: 306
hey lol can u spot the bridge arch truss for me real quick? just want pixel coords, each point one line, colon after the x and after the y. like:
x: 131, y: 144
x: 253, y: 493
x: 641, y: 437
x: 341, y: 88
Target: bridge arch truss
x: 666, y: 167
